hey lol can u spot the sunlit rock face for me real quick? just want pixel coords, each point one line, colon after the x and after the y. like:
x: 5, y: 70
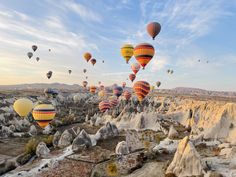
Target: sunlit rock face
x: 81, y: 142
x: 42, y: 150
x: 65, y: 139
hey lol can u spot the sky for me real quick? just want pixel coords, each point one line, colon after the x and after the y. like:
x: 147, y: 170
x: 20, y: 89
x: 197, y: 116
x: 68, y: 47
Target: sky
x: 192, y: 30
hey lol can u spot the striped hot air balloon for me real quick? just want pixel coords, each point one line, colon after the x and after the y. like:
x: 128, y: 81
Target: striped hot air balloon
x: 123, y: 84
x: 85, y: 83
x: 87, y: 56
x: 43, y: 114
x: 141, y: 89
x: 93, y: 61
x: 153, y: 29
x: 127, y: 52
x: 104, y: 105
x: 143, y: 53
x: 135, y: 67
x: 117, y: 91
x: 92, y: 89
x: 113, y: 102
x: 127, y: 95
x: 132, y: 77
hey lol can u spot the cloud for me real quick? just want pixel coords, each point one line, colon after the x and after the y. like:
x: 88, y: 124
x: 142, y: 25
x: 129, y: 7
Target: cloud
x: 158, y: 63
x: 84, y: 12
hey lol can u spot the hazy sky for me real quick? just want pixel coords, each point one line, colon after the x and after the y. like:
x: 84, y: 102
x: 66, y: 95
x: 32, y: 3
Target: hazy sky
x: 191, y: 30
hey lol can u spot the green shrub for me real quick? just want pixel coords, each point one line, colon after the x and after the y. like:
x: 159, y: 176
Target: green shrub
x: 30, y: 147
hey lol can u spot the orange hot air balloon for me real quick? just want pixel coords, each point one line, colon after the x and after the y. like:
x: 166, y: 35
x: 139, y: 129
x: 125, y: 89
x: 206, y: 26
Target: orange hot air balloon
x: 123, y: 84
x: 85, y: 83
x: 141, y: 89
x: 127, y: 95
x: 87, y: 56
x: 135, y: 67
x: 153, y: 29
x: 93, y: 61
x: 144, y: 53
x: 132, y: 77
x: 92, y: 89
x: 104, y: 105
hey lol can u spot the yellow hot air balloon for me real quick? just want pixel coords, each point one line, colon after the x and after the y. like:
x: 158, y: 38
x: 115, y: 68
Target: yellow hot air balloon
x: 102, y: 94
x: 127, y: 52
x: 152, y: 87
x: 43, y: 114
x: 23, y: 106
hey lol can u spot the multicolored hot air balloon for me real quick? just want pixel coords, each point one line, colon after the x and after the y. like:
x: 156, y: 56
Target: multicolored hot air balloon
x: 127, y: 52
x: 158, y: 83
x: 127, y: 95
x: 104, y: 105
x: 132, y: 77
x: 23, y: 106
x: 117, y: 91
x: 123, y: 84
x: 143, y: 53
x: 43, y: 114
x: 37, y: 58
x: 93, y: 61
x: 87, y: 56
x: 113, y: 102
x: 85, y: 83
x: 34, y: 47
x: 135, y: 67
x: 49, y: 74
x: 69, y: 71
x: 141, y: 89
x: 92, y: 89
x: 30, y: 54
x: 153, y: 29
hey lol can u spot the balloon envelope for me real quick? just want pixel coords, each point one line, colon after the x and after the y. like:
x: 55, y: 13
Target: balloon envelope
x: 34, y: 47
x: 127, y: 52
x: 141, y: 89
x: 87, y: 56
x: 49, y: 74
x: 29, y: 54
x: 132, y: 77
x: 127, y: 95
x: 104, y: 105
x: 135, y: 67
x: 117, y: 91
x: 23, y: 106
x: 43, y: 114
x: 92, y: 89
x: 153, y: 29
x: 93, y: 61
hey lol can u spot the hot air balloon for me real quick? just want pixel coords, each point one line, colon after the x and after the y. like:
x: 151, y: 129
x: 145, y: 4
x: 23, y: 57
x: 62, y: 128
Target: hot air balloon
x: 51, y: 92
x: 43, y: 114
x: 86, y: 77
x: 49, y: 74
x: 37, y: 58
x: 123, y: 84
x: 158, y: 83
x: 102, y: 87
x: 152, y: 88
x: 87, y: 56
x: 23, y: 106
x: 92, y: 89
x: 34, y: 47
x: 141, y: 89
x: 49, y: 50
x: 117, y: 91
x: 153, y: 29
x: 29, y: 54
x: 144, y: 53
x: 168, y: 71
x: 99, y: 82
x: 113, y: 102
x: 84, y: 70
x: 85, y: 83
x: 127, y: 95
x: 104, y: 105
x: 69, y: 71
x: 171, y: 72
x: 127, y: 52
x: 103, y: 61
x: 135, y: 67
x: 93, y: 61
x: 102, y: 93
x: 132, y: 77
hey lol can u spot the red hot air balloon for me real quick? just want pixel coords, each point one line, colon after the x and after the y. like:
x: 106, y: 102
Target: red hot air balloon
x: 144, y: 53
x: 93, y: 89
x: 87, y: 56
x: 132, y: 77
x: 127, y: 95
x: 123, y: 84
x: 113, y: 102
x: 104, y: 105
x: 141, y: 89
x: 153, y: 29
x: 135, y: 67
x: 93, y: 61
x: 117, y: 91
x: 85, y: 83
